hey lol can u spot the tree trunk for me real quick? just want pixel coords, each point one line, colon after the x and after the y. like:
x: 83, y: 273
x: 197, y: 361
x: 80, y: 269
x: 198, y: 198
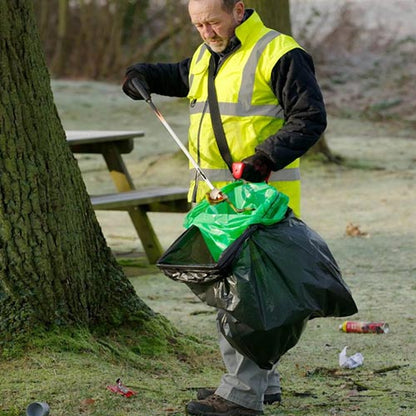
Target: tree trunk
x: 55, y: 266
x: 278, y: 18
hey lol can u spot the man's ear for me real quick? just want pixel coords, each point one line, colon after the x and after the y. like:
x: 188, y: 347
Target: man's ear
x: 238, y: 11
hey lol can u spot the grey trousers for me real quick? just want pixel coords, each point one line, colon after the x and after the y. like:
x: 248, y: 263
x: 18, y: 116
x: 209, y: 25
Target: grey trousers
x: 245, y: 383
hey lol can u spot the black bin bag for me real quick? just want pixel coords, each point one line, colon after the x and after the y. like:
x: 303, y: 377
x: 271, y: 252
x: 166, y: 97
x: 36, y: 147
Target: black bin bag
x: 266, y: 285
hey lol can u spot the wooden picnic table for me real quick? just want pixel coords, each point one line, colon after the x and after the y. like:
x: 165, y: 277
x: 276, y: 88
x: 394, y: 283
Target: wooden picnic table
x: 137, y: 202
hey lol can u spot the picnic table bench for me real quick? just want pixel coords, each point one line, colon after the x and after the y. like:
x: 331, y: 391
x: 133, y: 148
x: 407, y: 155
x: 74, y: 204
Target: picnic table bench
x: 137, y: 202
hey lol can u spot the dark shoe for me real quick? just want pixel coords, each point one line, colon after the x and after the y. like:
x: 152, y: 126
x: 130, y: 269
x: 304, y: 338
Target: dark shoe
x: 217, y: 406
x: 202, y: 394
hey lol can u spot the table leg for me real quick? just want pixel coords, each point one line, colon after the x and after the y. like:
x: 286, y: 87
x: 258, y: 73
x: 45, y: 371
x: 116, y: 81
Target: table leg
x: 138, y: 215
x: 146, y: 233
x: 117, y: 168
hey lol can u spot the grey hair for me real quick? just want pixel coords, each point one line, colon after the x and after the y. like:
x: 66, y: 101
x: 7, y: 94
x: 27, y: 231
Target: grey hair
x: 227, y: 5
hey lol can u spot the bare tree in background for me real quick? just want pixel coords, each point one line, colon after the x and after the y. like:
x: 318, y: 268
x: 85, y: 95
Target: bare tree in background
x: 97, y: 39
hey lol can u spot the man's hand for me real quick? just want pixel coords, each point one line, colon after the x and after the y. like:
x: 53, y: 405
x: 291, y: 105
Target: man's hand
x: 131, y: 90
x: 257, y: 168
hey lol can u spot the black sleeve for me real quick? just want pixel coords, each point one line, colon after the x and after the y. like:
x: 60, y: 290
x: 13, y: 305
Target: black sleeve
x: 164, y: 79
x: 298, y: 92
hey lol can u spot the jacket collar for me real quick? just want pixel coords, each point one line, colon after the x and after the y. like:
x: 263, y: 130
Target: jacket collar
x: 236, y: 40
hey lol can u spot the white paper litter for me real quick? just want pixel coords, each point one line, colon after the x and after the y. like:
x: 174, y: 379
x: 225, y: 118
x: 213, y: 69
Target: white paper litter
x: 353, y: 361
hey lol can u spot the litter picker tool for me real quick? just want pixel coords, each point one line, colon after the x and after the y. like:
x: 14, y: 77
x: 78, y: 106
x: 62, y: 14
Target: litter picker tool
x: 215, y: 196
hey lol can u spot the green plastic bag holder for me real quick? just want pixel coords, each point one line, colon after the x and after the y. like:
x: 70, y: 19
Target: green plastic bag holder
x: 220, y: 226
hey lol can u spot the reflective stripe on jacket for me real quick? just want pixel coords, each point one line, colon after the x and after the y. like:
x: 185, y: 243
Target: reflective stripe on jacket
x: 250, y: 111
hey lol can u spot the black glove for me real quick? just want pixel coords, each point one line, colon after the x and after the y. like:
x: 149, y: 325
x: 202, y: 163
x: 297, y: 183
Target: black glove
x: 131, y: 90
x: 257, y: 168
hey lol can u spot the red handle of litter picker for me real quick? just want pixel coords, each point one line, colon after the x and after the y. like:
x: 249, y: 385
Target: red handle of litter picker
x: 238, y: 168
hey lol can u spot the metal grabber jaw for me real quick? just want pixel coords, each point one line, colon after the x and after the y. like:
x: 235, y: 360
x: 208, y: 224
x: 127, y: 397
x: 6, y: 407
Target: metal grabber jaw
x: 215, y: 196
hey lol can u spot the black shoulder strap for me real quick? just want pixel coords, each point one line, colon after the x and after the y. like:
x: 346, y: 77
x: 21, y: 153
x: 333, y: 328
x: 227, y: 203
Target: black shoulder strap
x: 216, y: 117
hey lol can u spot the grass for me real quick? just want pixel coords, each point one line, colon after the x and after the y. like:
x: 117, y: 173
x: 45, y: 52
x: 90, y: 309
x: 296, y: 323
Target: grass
x: 73, y: 377
x: 71, y: 373
x: 75, y: 383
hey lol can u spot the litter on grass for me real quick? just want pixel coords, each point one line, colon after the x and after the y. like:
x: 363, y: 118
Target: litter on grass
x: 353, y: 361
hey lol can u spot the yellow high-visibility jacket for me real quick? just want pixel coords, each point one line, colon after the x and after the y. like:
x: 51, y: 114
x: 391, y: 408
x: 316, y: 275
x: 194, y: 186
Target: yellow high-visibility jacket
x: 250, y: 110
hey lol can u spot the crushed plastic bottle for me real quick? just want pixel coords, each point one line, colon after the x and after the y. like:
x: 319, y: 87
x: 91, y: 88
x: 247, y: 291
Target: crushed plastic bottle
x: 120, y: 388
x: 360, y: 327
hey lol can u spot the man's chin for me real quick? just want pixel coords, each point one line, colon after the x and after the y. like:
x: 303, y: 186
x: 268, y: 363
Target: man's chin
x: 217, y: 47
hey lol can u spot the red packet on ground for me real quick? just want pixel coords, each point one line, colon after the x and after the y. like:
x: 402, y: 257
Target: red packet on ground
x: 120, y: 388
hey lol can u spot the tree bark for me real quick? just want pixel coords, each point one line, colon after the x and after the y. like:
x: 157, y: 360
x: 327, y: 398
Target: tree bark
x: 55, y: 266
x: 276, y: 16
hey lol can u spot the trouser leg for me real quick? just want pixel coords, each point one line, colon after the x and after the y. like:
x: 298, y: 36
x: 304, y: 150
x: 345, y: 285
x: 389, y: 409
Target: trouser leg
x: 273, y: 383
x: 245, y: 382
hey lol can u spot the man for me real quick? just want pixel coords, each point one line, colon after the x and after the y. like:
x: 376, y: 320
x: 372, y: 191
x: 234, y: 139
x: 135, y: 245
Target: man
x: 271, y: 112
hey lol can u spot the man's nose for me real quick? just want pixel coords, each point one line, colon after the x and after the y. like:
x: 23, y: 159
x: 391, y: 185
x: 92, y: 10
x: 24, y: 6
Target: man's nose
x: 207, y: 31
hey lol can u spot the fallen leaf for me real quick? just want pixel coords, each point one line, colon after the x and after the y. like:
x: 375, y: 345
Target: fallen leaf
x: 353, y: 230
x: 87, y: 402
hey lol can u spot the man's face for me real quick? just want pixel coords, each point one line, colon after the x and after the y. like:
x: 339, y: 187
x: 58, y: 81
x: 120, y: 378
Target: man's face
x: 214, y: 24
